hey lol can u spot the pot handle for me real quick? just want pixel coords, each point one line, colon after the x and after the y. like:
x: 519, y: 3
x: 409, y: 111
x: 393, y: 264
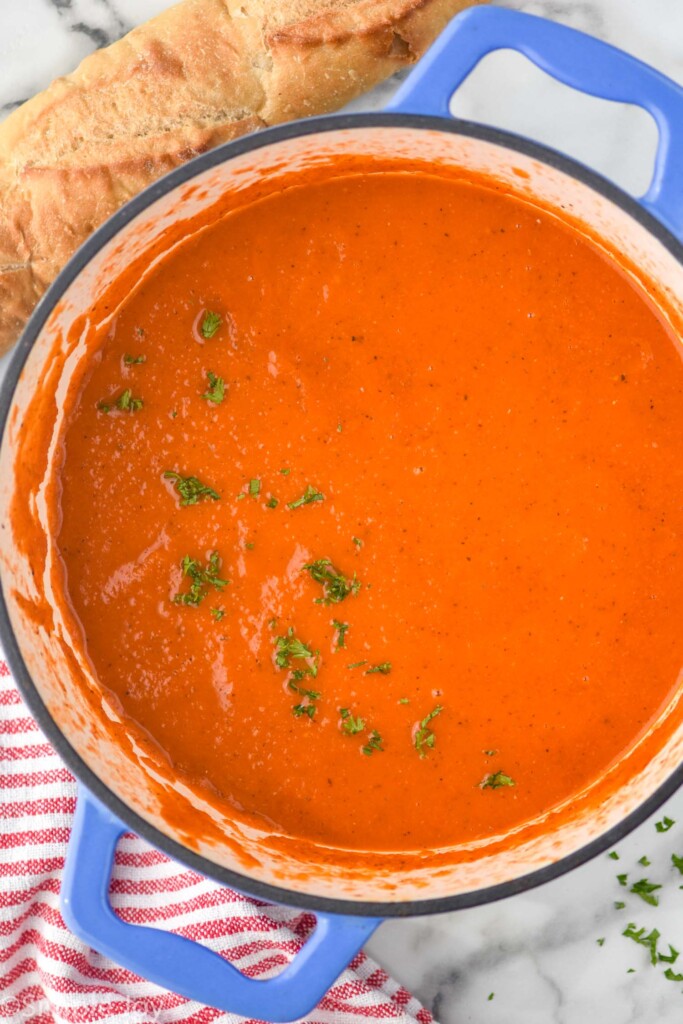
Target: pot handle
x: 179, y: 964
x: 578, y: 60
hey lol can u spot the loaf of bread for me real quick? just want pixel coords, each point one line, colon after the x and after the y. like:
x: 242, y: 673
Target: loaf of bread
x: 201, y: 73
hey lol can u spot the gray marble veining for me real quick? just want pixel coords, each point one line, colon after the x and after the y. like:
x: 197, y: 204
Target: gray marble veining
x: 538, y: 953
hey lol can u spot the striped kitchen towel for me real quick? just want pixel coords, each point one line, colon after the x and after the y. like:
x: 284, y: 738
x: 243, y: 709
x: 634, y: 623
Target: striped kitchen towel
x: 47, y: 975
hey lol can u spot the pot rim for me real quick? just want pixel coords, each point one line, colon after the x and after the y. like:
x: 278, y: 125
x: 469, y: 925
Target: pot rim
x: 100, y: 237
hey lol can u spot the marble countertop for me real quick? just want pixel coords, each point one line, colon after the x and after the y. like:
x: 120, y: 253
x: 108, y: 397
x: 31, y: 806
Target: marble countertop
x: 555, y: 955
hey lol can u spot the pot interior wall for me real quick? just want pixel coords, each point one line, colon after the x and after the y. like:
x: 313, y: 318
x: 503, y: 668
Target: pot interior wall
x: 125, y: 760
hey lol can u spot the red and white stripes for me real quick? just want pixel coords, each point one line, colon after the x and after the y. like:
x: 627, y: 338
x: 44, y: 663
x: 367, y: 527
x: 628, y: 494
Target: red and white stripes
x: 47, y: 976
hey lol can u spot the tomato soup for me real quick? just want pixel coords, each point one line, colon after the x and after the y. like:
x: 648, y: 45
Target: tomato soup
x: 371, y: 510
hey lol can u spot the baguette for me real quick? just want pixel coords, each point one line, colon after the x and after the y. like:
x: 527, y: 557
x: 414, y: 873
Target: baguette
x: 201, y: 73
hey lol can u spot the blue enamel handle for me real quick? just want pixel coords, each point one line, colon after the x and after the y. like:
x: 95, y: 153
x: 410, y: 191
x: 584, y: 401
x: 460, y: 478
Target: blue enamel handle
x: 184, y: 966
x: 571, y: 57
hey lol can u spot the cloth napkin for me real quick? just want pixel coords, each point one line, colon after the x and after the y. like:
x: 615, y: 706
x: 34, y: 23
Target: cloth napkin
x: 47, y: 976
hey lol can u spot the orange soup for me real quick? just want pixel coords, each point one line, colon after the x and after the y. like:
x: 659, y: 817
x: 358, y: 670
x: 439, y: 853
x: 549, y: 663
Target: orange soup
x: 371, y: 510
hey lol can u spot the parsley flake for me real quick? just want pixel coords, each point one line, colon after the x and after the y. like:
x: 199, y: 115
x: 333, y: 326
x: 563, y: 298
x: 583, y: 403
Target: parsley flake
x: 677, y: 862
x: 200, y: 579
x: 496, y: 780
x: 133, y: 360
x: 350, y: 725
x: 383, y: 669
x: 342, y: 629
x: 309, y: 496
x: 272, y: 502
x: 217, y: 614
x: 665, y: 824
x: 190, y: 489
x: 356, y: 664
x: 290, y: 647
x: 210, y: 324
x: 124, y: 403
x: 374, y: 743
x: 336, y: 587
x: 613, y: 855
x: 650, y: 940
x: 425, y: 739
x: 215, y: 393
x: 254, y: 487
x: 307, y: 707
x: 645, y: 890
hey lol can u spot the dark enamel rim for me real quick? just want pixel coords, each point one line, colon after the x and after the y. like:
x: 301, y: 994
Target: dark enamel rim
x: 28, y: 690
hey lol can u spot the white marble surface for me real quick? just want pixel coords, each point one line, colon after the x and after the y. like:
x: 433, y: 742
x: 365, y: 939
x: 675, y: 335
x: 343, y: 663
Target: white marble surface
x: 538, y: 953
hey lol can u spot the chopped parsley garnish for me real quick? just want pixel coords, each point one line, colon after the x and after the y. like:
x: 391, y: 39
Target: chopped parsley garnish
x: 614, y: 855
x: 374, y: 743
x: 336, y: 587
x: 200, y: 579
x: 490, y: 996
x: 357, y: 541
x: 665, y: 824
x: 272, y: 502
x: 309, y: 496
x: 622, y: 879
x: 249, y: 545
x: 619, y: 905
x: 215, y: 392
x: 190, y: 489
x: 600, y: 942
x: 124, y: 403
x: 285, y: 471
x: 255, y: 487
x: 308, y: 706
x: 650, y: 940
x: 497, y: 780
x: 677, y: 862
x: 210, y: 324
x: 644, y: 862
x: 645, y: 890
x: 356, y: 664
x: 383, y: 669
x: 404, y: 700
x: 217, y: 614
x: 671, y: 975
x: 671, y: 957
x: 342, y: 629
x: 424, y: 737
x: 133, y: 360
x: 286, y: 648
x: 350, y: 725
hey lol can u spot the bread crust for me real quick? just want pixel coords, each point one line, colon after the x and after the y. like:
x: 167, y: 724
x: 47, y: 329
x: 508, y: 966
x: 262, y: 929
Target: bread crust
x: 201, y: 73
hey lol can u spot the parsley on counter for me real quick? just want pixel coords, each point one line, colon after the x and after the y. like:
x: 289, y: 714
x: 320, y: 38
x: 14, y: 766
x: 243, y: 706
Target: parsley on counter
x: 646, y: 891
x: 665, y: 824
x: 190, y: 489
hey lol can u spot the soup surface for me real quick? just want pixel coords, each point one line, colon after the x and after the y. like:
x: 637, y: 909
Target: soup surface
x: 371, y: 510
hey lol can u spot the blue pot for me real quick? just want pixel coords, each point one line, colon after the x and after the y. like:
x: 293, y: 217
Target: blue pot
x: 417, y: 122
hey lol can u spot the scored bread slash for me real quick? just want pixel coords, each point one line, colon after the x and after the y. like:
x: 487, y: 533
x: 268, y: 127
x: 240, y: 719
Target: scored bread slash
x: 201, y: 73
